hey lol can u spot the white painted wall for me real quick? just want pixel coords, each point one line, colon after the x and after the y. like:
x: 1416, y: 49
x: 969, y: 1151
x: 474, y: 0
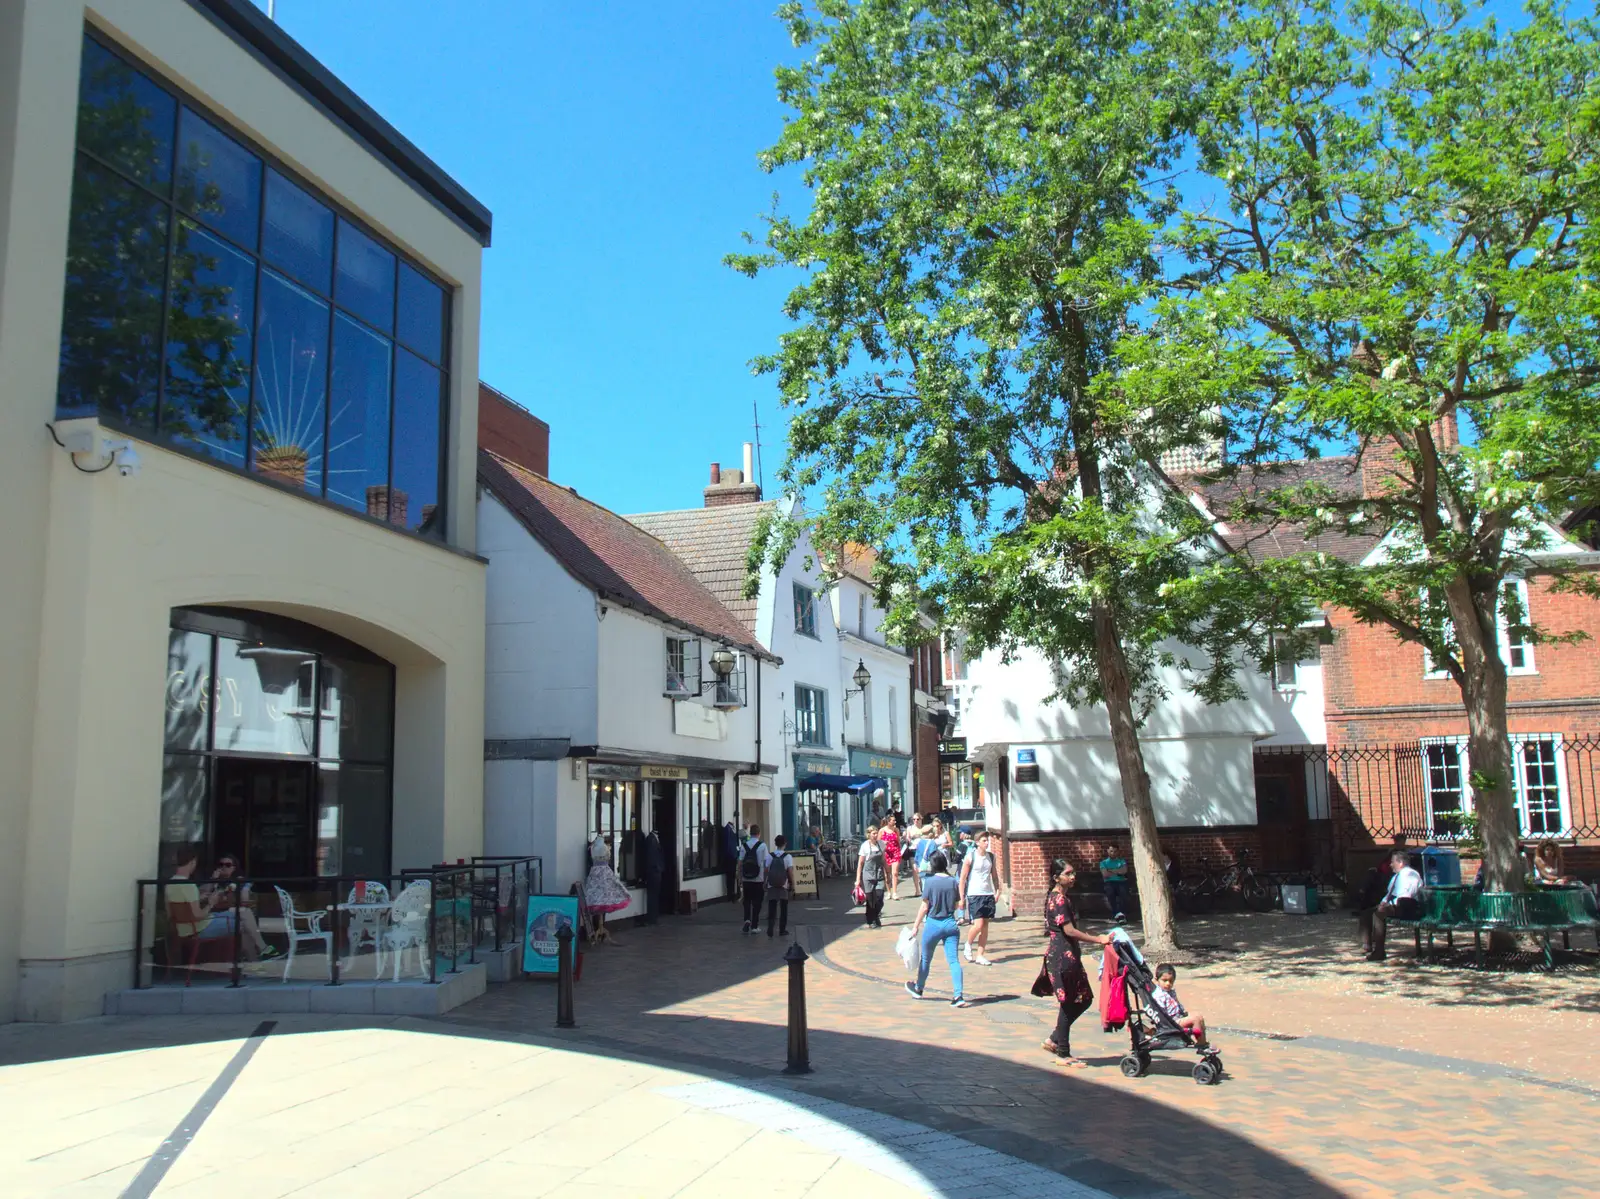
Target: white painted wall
x: 1299, y: 712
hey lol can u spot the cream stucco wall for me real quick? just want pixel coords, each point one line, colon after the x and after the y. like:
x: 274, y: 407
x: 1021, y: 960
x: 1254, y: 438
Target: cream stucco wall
x: 91, y: 565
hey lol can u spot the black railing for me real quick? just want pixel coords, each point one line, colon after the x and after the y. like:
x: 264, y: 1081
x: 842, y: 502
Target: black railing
x: 329, y: 929
x: 1369, y: 795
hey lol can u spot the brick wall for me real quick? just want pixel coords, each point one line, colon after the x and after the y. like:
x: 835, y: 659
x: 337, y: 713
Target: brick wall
x: 1032, y: 854
x: 927, y: 750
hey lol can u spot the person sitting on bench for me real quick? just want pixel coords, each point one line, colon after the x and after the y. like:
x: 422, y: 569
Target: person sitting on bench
x: 1399, y: 901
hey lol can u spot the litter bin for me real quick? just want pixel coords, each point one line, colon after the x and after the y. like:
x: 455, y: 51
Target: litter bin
x: 1441, y: 866
x: 1300, y: 900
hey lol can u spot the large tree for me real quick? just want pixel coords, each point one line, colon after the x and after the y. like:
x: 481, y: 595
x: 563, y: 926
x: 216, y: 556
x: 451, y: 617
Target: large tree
x: 985, y: 178
x: 1399, y: 256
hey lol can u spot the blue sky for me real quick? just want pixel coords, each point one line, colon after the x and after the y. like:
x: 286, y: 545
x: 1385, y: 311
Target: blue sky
x: 616, y: 145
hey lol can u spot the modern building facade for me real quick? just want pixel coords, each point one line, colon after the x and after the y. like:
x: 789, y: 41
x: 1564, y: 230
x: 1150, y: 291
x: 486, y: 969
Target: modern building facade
x: 241, y: 610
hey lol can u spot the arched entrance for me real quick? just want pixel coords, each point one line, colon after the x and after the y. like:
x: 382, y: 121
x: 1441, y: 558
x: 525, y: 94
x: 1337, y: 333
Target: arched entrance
x: 279, y: 747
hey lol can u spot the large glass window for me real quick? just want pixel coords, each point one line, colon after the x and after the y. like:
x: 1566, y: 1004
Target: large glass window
x: 1446, y: 802
x: 702, y: 829
x: 614, y: 814
x: 810, y: 715
x: 212, y: 302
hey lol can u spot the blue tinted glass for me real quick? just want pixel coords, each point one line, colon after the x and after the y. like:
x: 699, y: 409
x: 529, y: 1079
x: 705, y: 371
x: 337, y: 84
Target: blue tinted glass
x: 290, y: 384
x: 124, y: 118
x: 111, y: 320
x: 421, y: 315
x: 366, y: 278
x: 210, y: 306
x: 358, y: 421
x: 298, y: 234
x: 415, y: 499
x: 219, y: 181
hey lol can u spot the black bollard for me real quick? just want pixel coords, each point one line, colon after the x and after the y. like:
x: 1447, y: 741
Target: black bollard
x: 564, y: 1018
x: 799, y: 1050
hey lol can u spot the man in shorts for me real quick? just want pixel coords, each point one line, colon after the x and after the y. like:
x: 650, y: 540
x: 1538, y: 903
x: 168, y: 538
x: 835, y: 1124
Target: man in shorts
x: 979, y: 879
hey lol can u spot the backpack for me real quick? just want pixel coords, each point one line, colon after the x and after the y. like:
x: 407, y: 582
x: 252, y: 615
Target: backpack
x: 778, y: 872
x: 750, y: 864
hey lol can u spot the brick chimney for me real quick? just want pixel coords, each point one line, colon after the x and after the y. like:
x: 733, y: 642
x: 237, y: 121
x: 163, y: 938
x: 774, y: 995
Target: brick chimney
x: 1382, y: 468
x: 732, y: 486
x: 508, y: 429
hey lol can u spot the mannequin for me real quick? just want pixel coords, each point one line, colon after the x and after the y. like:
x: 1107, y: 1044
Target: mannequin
x: 602, y: 890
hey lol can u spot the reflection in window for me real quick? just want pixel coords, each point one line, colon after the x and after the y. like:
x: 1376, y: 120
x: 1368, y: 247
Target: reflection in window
x: 366, y: 278
x: 246, y: 357
x: 111, y: 324
x: 291, y: 381
x: 355, y: 710
x: 263, y: 698
x: 219, y: 181
x: 614, y: 814
x: 209, y: 319
x: 358, y: 424
x: 414, y: 501
x: 352, y: 819
x: 702, y: 829
x: 183, y: 808
x: 297, y: 234
x: 188, y: 689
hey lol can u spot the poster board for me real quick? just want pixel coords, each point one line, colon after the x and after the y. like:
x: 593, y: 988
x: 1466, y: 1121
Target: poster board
x: 547, y: 914
x: 805, y: 874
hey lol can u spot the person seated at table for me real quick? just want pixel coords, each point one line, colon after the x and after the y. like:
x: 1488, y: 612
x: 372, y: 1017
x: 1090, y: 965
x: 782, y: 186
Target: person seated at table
x: 220, y: 905
x: 1400, y: 901
x: 832, y: 859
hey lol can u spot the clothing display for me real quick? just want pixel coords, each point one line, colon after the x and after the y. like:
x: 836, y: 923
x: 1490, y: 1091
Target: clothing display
x: 602, y: 889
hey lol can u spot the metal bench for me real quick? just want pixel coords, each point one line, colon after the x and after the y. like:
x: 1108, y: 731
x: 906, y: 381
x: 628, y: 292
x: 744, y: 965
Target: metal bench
x: 1540, y: 912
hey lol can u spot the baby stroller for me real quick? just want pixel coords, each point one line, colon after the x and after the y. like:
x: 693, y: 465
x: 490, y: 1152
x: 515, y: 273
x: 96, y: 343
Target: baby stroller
x: 1152, y: 1029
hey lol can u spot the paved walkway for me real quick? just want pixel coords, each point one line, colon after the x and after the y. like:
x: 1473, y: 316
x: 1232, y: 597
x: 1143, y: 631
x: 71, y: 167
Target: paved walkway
x: 1344, y: 1078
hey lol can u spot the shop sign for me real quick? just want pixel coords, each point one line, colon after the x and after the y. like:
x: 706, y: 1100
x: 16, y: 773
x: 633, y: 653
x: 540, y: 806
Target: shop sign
x: 804, y: 765
x: 612, y: 770
x: 548, y: 915
x: 865, y: 761
x: 1027, y: 770
x: 805, y: 874
x: 952, y: 751
x: 678, y: 773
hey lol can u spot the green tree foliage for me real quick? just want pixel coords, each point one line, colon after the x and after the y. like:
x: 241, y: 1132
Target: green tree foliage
x: 1401, y: 245
x: 986, y: 177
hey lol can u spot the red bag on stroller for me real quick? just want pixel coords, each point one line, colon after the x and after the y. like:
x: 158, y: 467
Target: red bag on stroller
x: 1113, y: 990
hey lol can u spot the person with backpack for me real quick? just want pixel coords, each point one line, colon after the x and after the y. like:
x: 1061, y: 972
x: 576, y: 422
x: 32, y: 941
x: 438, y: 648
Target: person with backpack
x: 780, y: 885
x: 753, y: 859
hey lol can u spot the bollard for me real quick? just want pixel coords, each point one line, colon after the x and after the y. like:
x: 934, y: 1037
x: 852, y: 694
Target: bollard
x: 799, y: 1050
x: 564, y: 1018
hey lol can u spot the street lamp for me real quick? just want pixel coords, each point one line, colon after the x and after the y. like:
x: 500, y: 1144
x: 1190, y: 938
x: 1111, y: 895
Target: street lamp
x: 862, y: 677
x: 722, y: 662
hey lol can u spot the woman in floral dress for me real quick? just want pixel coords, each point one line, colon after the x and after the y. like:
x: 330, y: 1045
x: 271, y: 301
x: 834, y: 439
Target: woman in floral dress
x: 1063, y: 963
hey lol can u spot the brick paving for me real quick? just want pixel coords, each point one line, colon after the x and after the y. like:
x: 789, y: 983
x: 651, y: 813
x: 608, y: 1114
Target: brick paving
x: 1343, y: 1078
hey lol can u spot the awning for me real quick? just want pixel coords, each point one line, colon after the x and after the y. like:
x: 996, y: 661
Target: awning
x: 854, y: 783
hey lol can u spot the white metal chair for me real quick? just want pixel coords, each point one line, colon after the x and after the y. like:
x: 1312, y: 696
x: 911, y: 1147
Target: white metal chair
x: 303, y: 926
x: 408, y: 927
x: 368, y: 913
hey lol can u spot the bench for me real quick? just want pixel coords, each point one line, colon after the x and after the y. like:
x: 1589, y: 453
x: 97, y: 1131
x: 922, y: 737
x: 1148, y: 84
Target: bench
x: 1540, y: 912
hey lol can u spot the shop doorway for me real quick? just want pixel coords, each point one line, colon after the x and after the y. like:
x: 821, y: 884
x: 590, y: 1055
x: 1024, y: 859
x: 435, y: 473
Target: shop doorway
x: 264, y: 812
x: 664, y: 819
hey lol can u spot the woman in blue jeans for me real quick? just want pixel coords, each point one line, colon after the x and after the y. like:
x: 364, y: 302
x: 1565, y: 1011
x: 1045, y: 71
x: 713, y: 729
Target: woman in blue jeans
x: 936, y: 922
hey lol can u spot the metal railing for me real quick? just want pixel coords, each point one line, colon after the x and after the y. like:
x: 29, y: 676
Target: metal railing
x: 328, y: 929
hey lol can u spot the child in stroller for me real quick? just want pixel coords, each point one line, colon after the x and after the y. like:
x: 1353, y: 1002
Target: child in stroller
x: 1152, y: 1025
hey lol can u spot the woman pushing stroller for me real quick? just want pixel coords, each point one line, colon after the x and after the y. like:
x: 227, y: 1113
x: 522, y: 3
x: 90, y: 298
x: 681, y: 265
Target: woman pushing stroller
x: 1062, y: 972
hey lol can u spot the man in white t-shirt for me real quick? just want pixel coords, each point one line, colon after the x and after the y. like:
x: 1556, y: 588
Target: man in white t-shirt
x: 1399, y: 901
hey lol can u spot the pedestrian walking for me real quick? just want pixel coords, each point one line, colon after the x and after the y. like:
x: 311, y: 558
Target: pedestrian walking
x: 1062, y: 972
x: 936, y: 925
x: 753, y: 859
x: 871, y: 870
x: 729, y: 838
x: 889, y: 840
x: 780, y: 885
x: 978, y: 876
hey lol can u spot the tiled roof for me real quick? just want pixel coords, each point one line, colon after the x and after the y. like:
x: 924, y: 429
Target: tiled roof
x: 617, y: 560
x: 1341, y: 474
x: 713, y: 542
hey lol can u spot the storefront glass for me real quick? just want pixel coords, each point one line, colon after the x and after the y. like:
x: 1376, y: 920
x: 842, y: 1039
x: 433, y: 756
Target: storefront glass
x: 279, y: 743
x: 614, y: 814
x: 702, y: 824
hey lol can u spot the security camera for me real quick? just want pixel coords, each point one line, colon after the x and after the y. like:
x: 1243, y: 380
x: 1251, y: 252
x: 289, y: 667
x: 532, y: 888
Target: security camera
x: 126, y: 458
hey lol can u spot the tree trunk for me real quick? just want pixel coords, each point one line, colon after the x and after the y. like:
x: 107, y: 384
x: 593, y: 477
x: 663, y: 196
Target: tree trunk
x: 1489, y: 758
x: 1155, y: 894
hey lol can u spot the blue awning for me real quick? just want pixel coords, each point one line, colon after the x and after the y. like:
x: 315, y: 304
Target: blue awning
x: 853, y: 783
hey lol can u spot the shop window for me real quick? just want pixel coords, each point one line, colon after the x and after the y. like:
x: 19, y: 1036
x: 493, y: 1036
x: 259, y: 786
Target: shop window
x: 702, y: 829
x: 614, y: 813
x: 213, y: 303
x: 810, y: 715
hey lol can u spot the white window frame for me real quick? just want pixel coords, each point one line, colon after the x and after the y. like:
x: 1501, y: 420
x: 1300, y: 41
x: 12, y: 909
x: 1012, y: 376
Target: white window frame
x: 1284, y: 663
x: 822, y: 715
x: 805, y: 624
x: 682, y: 664
x: 1519, y: 779
x: 1503, y: 635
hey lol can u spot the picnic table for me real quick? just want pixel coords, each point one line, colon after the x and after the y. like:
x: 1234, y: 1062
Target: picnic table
x: 1540, y: 912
